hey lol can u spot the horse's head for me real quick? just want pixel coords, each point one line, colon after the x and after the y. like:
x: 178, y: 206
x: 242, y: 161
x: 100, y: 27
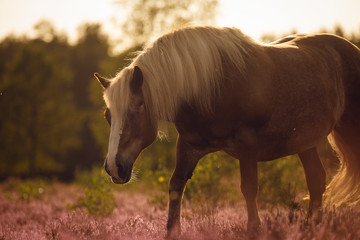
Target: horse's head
x: 130, y: 134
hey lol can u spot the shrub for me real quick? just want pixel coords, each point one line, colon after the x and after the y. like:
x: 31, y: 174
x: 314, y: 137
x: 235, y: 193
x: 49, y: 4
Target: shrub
x: 215, y: 180
x: 212, y: 181
x: 99, y: 198
x: 280, y: 181
x: 31, y: 189
x: 159, y: 179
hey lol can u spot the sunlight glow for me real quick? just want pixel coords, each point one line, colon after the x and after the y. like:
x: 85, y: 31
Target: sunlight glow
x: 253, y: 17
x: 19, y: 16
x: 256, y: 17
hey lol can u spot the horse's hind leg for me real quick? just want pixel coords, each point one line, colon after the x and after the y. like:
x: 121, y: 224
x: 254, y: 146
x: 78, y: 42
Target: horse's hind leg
x: 249, y: 188
x: 187, y: 158
x: 315, y: 177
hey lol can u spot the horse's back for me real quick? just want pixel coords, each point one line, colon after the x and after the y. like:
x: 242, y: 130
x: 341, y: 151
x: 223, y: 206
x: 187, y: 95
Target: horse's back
x: 289, y: 98
x: 315, y: 78
x: 345, y: 58
x: 325, y: 58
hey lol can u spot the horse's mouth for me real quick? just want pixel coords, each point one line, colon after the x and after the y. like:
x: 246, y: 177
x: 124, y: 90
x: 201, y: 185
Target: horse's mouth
x: 120, y: 181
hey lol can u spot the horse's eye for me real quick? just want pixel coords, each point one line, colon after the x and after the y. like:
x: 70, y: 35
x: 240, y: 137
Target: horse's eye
x: 107, y: 116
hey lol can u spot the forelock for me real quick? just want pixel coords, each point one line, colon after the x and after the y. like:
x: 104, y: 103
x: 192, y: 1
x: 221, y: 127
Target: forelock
x: 117, y: 95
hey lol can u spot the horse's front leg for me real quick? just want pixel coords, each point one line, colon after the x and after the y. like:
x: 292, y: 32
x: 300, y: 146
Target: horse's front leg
x: 315, y: 177
x: 249, y: 188
x: 187, y: 158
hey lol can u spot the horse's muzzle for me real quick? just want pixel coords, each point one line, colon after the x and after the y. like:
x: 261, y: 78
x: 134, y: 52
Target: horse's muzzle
x: 123, y: 170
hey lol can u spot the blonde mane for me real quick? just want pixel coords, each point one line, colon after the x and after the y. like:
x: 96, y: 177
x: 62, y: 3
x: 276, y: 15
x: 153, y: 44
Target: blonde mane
x: 185, y: 65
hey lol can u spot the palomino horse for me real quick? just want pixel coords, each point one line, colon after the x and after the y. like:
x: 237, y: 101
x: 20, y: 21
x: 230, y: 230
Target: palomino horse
x: 256, y: 102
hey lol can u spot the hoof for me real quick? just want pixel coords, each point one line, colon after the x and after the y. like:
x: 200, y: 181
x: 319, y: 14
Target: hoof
x: 173, y: 233
x: 315, y: 216
x: 253, y: 229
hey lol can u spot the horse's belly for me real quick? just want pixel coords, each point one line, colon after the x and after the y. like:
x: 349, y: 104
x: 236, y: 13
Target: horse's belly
x: 283, y: 141
x: 277, y: 139
x: 300, y: 120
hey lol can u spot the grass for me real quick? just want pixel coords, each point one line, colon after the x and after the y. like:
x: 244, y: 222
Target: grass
x: 49, y: 217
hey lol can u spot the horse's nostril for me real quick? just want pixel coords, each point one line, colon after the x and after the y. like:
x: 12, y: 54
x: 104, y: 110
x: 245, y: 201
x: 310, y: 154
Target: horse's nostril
x: 120, y: 169
x: 107, y: 169
x: 124, y: 171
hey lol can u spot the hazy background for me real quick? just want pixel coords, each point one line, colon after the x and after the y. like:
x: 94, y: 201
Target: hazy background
x: 51, y: 106
x: 53, y: 136
x: 253, y: 17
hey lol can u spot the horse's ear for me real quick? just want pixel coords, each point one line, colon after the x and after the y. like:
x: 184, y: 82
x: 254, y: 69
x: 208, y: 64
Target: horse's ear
x: 105, y: 83
x: 137, y: 80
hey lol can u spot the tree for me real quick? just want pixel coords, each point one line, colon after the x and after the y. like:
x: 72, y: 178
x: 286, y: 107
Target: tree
x: 92, y: 48
x: 37, y: 123
x: 51, y: 106
x: 147, y: 18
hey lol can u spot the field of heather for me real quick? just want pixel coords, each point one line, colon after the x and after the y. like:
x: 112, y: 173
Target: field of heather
x: 50, y: 214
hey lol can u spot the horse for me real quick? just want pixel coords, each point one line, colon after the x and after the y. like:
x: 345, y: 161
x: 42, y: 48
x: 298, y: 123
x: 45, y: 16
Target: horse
x: 257, y: 102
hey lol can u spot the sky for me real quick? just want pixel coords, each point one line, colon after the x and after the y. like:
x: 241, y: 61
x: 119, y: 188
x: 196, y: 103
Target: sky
x: 253, y: 17
x: 256, y: 17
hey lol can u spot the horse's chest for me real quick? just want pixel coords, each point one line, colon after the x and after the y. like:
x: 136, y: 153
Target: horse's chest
x: 230, y: 137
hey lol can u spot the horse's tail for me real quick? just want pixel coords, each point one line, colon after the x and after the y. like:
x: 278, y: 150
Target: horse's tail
x: 344, y: 188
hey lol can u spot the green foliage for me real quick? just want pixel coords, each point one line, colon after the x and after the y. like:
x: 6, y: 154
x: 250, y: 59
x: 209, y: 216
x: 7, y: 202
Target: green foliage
x: 160, y: 181
x: 48, y: 117
x: 155, y: 166
x: 147, y: 18
x: 25, y: 190
x: 99, y: 198
x: 32, y: 189
x: 36, y: 112
x: 214, y: 181
x: 281, y: 181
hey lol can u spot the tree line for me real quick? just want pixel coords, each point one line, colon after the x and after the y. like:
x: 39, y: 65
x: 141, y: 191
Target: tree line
x: 51, y: 121
x: 51, y: 106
